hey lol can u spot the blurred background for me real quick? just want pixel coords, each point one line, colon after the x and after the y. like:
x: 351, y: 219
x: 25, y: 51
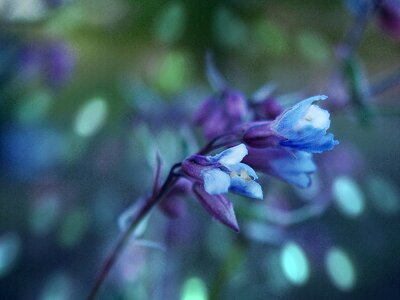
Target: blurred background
x: 90, y: 90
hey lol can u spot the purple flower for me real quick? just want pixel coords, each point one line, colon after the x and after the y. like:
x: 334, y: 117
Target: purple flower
x: 215, y: 175
x: 302, y: 127
x: 224, y: 172
x: 219, y: 113
x: 53, y: 61
x: 294, y: 167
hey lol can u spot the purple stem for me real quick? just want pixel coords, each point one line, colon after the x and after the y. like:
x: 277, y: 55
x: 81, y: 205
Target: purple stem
x: 124, y: 238
x: 147, y: 206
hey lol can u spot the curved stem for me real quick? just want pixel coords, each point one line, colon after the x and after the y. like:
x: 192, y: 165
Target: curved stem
x: 124, y: 238
x: 142, y: 212
x: 387, y: 83
x: 356, y: 32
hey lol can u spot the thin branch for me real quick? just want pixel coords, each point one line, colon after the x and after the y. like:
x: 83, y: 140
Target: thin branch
x: 387, y: 83
x: 124, y: 238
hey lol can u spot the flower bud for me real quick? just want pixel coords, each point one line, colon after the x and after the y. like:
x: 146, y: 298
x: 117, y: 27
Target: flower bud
x: 217, y: 206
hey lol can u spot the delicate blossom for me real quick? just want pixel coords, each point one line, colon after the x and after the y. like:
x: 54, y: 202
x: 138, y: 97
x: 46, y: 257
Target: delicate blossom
x: 224, y: 172
x: 302, y: 127
x: 213, y: 176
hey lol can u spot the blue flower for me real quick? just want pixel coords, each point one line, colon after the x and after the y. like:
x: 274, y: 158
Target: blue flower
x: 224, y: 172
x: 294, y: 167
x: 303, y: 127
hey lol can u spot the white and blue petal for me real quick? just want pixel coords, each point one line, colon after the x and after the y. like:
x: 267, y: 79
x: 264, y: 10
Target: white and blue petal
x: 230, y: 156
x: 216, y: 181
x: 288, y: 119
x: 304, y: 127
x: 248, y: 188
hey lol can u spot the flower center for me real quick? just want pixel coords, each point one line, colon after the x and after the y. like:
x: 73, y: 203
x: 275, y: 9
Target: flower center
x: 243, y: 175
x: 315, y: 117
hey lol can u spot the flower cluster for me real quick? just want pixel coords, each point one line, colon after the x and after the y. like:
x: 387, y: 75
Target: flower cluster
x: 281, y: 146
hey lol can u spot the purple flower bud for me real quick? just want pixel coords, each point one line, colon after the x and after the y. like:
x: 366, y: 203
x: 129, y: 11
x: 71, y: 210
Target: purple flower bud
x: 261, y: 135
x: 389, y: 17
x: 235, y: 103
x: 217, y: 206
x: 221, y: 113
x: 271, y: 108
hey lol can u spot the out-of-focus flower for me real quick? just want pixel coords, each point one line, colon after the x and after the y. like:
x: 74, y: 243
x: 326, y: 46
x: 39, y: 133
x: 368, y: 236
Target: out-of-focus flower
x: 294, y: 167
x: 219, y: 113
x: 302, y: 127
x: 58, y: 63
x: 389, y: 17
x: 52, y: 61
x: 271, y: 108
x: 27, y: 152
x: 224, y: 172
x: 222, y: 111
x: 265, y: 105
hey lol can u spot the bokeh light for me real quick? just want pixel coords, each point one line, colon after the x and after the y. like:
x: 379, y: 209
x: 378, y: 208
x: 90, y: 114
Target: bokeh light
x: 194, y: 289
x: 340, y: 269
x: 294, y: 264
x: 349, y: 197
x: 10, y: 247
x: 91, y: 117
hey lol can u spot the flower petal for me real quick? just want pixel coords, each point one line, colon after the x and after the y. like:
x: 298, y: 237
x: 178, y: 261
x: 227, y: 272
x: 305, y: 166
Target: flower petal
x: 248, y: 188
x: 231, y: 155
x: 293, y: 167
x: 216, y: 181
x: 288, y: 119
x: 217, y: 206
